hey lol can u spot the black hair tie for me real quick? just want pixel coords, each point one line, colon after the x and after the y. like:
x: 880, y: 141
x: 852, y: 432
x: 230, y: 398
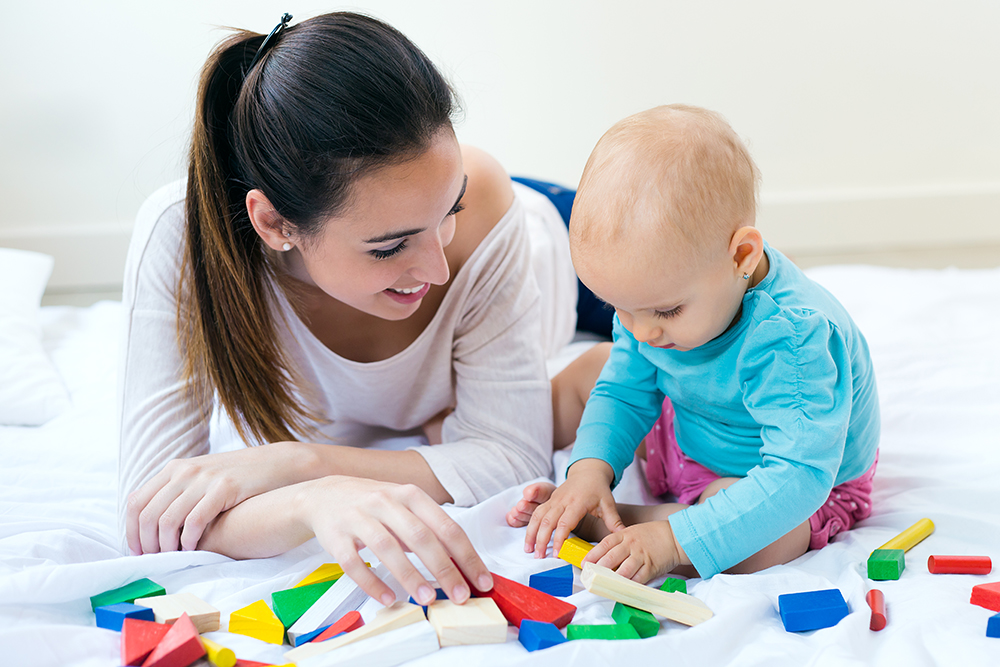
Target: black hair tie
x: 269, y: 41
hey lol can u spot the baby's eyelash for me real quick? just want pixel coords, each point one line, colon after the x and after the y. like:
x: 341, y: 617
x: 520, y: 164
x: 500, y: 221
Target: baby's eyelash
x: 386, y: 254
x: 667, y: 314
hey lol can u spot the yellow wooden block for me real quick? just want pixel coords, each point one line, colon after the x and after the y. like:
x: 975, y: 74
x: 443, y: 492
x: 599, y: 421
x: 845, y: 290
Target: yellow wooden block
x: 397, y: 615
x: 910, y: 537
x: 258, y: 621
x: 168, y: 608
x: 574, y: 550
x: 325, y: 572
x: 218, y: 655
x: 478, y: 621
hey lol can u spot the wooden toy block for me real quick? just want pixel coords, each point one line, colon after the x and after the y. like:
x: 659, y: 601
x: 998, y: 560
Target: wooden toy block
x: 168, y: 608
x: 112, y: 616
x: 959, y: 564
x: 607, y: 631
x: 886, y: 564
x: 325, y: 572
x: 439, y: 595
x: 309, y: 636
x: 350, y: 621
x: 518, y: 602
x: 290, y: 604
x: 180, y: 647
x: 558, y: 581
x: 386, y: 650
x: 811, y: 610
x: 143, y: 588
x: 258, y: 621
x: 217, y: 654
x: 254, y: 663
x: 645, y: 624
x: 674, y: 585
x: 987, y: 595
x: 910, y: 537
x: 343, y: 596
x: 478, y: 621
x: 535, y: 635
x: 139, y: 638
x: 393, y: 617
x: 993, y: 626
x: 679, y: 607
x: 574, y: 550
x: 876, y: 601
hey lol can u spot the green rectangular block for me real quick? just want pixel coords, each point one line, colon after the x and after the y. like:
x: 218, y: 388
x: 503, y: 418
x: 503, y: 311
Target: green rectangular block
x: 290, y: 604
x: 612, y: 631
x: 645, y: 624
x: 674, y: 585
x: 143, y: 588
x: 885, y: 564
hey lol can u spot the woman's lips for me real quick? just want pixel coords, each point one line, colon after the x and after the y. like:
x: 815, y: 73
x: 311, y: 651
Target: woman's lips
x: 400, y: 297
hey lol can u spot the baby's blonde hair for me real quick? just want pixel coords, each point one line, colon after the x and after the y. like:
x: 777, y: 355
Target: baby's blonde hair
x: 677, y: 171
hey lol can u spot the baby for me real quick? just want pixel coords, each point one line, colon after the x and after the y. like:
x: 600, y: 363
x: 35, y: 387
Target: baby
x: 752, y: 386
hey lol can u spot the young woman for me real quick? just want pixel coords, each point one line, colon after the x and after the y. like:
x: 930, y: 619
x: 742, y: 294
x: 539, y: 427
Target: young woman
x: 336, y: 258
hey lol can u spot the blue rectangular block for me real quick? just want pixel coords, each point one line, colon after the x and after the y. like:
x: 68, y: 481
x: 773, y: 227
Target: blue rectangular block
x: 558, y: 581
x: 309, y: 636
x: 993, y: 626
x: 536, y: 635
x: 113, y: 616
x: 441, y: 595
x: 812, y: 610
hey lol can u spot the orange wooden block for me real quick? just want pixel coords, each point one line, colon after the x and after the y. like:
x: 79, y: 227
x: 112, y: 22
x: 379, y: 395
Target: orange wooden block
x: 350, y: 621
x: 180, y: 647
x: 139, y: 638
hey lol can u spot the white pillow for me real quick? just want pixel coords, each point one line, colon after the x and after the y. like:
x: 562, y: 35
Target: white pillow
x: 31, y: 392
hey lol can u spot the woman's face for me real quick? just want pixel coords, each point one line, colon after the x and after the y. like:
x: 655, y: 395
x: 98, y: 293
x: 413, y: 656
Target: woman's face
x: 382, y: 254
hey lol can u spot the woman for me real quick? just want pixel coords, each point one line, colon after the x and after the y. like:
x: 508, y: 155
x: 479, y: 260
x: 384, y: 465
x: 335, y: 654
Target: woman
x: 335, y: 258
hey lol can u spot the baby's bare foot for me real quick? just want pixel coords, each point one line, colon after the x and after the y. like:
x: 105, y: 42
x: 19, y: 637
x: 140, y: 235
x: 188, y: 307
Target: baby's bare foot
x: 534, y: 495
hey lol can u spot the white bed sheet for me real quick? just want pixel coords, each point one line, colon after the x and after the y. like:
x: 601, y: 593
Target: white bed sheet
x: 933, y: 336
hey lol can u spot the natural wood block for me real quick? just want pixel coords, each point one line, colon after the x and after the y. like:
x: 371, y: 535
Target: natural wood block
x: 258, y: 621
x: 574, y: 550
x: 678, y: 607
x: 478, y: 621
x: 168, y: 608
x: 143, y: 588
x: 393, y: 617
x: 386, y: 650
x: 343, y: 596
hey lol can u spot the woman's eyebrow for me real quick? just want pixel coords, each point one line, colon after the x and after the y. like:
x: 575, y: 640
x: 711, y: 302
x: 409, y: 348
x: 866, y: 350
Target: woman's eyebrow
x: 390, y: 236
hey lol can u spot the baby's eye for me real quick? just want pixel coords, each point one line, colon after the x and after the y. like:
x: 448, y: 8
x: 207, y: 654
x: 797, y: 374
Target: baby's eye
x: 386, y: 253
x: 667, y: 314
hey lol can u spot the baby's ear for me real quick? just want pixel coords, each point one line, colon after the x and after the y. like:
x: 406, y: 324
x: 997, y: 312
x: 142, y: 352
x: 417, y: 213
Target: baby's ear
x: 746, y: 248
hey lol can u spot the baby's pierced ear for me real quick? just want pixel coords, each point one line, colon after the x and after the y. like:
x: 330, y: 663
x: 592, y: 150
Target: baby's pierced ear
x: 266, y: 221
x: 746, y: 249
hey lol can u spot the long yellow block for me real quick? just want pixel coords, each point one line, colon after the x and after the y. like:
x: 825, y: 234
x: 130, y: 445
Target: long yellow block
x: 574, y: 550
x: 217, y: 654
x: 910, y: 537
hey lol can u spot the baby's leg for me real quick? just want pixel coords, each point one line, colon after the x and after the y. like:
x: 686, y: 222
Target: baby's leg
x: 570, y: 390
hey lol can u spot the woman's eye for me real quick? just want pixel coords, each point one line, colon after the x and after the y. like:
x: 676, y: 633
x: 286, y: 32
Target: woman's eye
x: 667, y: 314
x: 459, y: 207
x: 388, y: 252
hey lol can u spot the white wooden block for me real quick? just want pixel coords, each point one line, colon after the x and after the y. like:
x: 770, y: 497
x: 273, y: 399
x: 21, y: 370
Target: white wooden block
x: 386, y: 650
x: 478, y: 621
x: 679, y: 607
x: 342, y: 597
x: 168, y: 608
x: 396, y: 615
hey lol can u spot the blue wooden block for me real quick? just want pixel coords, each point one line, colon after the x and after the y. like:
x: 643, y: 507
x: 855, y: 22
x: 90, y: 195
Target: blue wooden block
x: 993, y: 626
x: 113, y: 616
x: 558, y: 581
x: 536, y: 635
x: 309, y: 636
x: 441, y: 595
x: 812, y: 610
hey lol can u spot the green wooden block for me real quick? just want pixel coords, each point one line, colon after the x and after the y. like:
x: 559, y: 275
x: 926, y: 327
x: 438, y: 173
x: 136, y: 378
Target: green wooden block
x: 143, y: 588
x: 612, y: 631
x: 886, y: 564
x: 289, y: 605
x: 673, y: 585
x: 645, y: 624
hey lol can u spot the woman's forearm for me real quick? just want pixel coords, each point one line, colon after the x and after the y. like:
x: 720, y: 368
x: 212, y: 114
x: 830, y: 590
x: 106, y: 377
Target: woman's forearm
x: 401, y: 467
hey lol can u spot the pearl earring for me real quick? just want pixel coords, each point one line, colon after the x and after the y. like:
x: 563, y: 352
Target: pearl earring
x: 287, y: 246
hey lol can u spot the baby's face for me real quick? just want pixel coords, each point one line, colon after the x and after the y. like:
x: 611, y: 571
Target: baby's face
x: 663, y: 300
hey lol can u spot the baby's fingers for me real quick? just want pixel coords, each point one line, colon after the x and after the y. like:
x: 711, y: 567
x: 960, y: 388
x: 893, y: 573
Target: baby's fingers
x: 609, y: 512
x: 570, y: 519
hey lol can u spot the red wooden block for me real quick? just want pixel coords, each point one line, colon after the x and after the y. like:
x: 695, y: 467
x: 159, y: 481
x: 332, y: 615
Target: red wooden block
x: 139, y: 638
x: 518, y: 602
x: 876, y: 601
x: 959, y: 564
x: 987, y: 595
x: 179, y: 647
x: 253, y: 663
x: 349, y: 621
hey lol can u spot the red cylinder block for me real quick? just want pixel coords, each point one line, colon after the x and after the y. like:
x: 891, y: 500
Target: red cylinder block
x: 876, y: 601
x: 959, y: 564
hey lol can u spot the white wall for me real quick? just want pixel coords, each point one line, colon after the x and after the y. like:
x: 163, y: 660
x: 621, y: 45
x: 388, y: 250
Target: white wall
x: 875, y: 124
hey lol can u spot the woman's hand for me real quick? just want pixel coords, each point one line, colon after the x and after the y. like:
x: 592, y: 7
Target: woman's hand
x: 347, y: 514
x: 171, y: 511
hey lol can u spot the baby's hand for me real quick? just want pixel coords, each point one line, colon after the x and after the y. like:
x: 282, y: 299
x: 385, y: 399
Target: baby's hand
x: 640, y: 552
x: 587, y: 490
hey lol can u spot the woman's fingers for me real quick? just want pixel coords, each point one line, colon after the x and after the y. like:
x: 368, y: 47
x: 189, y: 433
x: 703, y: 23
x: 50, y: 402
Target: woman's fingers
x: 346, y: 552
x: 138, y: 500
x: 205, y: 510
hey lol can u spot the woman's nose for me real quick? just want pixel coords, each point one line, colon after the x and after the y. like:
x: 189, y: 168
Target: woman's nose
x: 432, y: 264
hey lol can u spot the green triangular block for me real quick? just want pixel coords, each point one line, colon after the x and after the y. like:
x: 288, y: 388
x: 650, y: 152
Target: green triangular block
x: 143, y: 588
x: 290, y: 604
x: 645, y: 624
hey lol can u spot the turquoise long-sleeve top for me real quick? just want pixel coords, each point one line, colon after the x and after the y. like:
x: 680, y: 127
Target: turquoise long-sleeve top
x: 785, y: 399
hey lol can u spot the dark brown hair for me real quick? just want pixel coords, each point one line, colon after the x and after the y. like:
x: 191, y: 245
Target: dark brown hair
x: 335, y: 97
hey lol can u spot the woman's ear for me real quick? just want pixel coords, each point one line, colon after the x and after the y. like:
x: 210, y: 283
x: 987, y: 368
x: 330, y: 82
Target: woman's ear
x: 746, y: 250
x: 268, y: 224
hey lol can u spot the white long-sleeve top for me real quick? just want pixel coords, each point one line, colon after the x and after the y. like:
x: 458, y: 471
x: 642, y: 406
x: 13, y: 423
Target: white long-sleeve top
x: 509, y: 307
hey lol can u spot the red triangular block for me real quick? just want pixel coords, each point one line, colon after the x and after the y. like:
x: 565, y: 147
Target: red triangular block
x: 987, y: 595
x: 349, y: 621
x: 139, y: 638
x: 179, y: 647
x: 518, y: 602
